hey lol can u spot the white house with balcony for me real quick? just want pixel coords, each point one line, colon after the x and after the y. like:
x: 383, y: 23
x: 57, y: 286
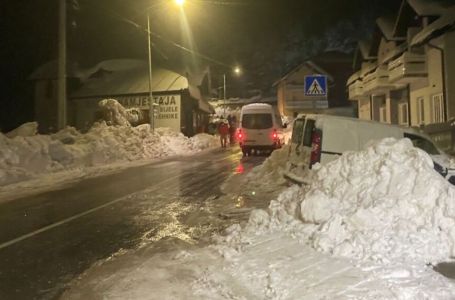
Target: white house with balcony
x: 406, y: 74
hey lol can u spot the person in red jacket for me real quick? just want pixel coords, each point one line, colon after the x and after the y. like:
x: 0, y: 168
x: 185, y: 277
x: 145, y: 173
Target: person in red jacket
x: 223, y: 130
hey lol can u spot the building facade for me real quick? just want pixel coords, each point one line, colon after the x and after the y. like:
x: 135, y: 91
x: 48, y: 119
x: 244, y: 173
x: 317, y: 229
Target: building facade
x: 291, y: 96
x: 178, y: 102
x: 406, y: 74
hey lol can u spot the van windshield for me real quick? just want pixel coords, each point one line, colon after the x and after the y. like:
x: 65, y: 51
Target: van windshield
x: 257, y: 121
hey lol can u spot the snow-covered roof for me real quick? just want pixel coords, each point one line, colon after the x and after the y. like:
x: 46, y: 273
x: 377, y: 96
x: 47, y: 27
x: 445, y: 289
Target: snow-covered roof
x: 364, y: 47
x: 49, y: 70
x: 128, y: 76
x: 310, y: 64
x: 445, y: 22
x: 387, y: 26
x: 124, y: 78
x: 430, y: 7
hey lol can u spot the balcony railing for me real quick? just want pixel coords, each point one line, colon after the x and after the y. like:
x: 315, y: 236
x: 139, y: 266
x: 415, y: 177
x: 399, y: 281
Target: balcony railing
x: 377, y: 81
x: 407, y: 68
x: 356, y: 90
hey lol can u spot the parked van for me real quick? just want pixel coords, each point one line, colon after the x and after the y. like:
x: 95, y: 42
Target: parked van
x: 323, y: 138
x: 260, y: 128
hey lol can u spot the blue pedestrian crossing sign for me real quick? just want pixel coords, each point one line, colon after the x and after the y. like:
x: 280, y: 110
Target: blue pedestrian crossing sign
x: 316, y: 85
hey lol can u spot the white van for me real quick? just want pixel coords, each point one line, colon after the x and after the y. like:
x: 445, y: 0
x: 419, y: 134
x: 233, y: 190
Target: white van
x: 260, y: 128
x: 322, y: 138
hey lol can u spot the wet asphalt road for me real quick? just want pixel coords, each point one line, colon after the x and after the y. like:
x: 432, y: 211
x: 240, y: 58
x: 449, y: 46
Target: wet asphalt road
x: 46, y: 240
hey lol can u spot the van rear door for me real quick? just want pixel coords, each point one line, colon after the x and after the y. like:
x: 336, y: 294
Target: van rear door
x: 258, y: 129
x: 300, y: 148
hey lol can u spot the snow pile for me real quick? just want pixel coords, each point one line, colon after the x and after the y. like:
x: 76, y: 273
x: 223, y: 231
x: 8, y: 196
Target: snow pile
x: 25, y: 157
x: 383, y: 204
x: 271, y: 170
x: 26, y: 129
x: 114, y: 112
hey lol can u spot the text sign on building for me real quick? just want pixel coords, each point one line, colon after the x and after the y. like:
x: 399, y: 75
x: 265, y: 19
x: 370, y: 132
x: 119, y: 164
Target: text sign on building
x: 168, y: 111
x: 316, y: 86
x: 141, y: 102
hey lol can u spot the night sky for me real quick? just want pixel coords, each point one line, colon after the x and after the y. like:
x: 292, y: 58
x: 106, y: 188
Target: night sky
x: 265, y: 37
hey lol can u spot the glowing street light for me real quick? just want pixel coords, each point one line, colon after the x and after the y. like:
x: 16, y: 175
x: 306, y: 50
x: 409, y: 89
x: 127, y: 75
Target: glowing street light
x: 152, y: 103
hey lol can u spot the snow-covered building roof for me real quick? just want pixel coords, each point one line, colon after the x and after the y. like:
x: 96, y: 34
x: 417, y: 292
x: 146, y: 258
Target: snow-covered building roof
x: 320, y: 64
x: 49, y: 70
x: 443, y: 23
x: 430, y: 7
x: 411, y: 9
x: 119, y: 77
x: 365, y: 47
x: 128, y: 76
x: 387, y: 26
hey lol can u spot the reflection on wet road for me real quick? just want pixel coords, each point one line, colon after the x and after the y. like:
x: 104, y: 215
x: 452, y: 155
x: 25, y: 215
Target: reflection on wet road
x: 48, y: 239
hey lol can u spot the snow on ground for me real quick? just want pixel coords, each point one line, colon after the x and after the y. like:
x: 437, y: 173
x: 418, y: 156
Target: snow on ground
x: 369, y: 226
x: 25, y: 155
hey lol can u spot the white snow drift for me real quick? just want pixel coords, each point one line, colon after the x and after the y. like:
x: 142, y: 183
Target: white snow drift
x: 26, y: 155
x: 366, y: 227
x: 383, y: 204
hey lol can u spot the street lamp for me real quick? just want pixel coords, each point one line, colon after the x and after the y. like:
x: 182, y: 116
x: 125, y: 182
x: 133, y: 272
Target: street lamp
x: 152, y: 103
x: 237, y: 71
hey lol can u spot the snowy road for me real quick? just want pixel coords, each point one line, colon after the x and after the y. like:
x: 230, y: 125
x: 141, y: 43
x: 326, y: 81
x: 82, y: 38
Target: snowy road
x: 48, y: 239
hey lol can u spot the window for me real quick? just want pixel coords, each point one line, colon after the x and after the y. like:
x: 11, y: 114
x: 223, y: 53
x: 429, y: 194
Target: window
x: 437, y: 105
x: 309, y: 126
x: 297, y: 131
x: 383, y: 114
x: 420, y: 111
x: 257, y: 121
x: 403, y: 114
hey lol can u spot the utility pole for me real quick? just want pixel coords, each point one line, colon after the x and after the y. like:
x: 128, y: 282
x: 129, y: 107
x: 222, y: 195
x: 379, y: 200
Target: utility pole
x: 151, y: 101
x: 224, y: 93
x: 61, y: 89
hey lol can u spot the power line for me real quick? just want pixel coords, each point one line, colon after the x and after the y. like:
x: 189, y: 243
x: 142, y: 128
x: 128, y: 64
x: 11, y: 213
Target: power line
x: 126, y: 20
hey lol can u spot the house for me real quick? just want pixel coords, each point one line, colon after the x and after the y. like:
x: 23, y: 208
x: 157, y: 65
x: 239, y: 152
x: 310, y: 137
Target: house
x: 178, y: 101
x: 292, y: 99
x: 406, y: 73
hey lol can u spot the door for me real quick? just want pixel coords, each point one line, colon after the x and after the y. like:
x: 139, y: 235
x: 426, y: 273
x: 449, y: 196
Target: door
x: 301, y: 147
x: 258, y: 129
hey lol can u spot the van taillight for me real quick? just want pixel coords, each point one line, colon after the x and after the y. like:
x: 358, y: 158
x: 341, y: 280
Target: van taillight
x: 240, y: 135
x: 316, y: 138
x: 274, y: 134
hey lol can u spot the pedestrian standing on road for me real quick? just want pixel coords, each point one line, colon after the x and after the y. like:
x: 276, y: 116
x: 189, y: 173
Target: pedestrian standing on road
x: 232, y: 128
x: 223, y: 130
